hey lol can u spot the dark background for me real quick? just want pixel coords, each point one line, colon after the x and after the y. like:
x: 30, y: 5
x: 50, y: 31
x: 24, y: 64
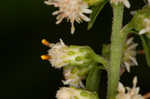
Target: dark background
x: 24, y: 23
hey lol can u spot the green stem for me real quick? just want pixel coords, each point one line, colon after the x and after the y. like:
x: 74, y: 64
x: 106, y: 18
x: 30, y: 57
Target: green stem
x: 116, y: 51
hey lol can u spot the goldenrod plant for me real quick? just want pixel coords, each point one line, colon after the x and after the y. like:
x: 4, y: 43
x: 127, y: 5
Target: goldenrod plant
x: 81, y: 63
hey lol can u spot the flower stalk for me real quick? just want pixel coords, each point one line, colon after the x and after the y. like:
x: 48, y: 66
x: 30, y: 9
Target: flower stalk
x: 116, y: 50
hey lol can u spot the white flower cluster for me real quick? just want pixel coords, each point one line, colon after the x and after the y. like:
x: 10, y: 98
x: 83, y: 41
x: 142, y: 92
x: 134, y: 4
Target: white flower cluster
x: 72, y: 10
x: 129, y: 54
x: 74, y: 93
x: 129, y: 93
x: 125, y: 2
x: 147, y: 26
x: 57, y: 52
x: 72, y: 77
x: 75, y: 60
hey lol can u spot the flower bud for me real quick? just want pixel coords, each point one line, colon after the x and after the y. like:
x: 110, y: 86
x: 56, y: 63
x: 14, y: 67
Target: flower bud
x: 141, y: 20
x: 74, y: 75
x: 74, y: 93
x: 62, y: 55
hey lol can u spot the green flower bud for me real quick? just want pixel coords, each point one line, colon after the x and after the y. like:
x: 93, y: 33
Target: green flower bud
x: 74, y: 93
x: 62, y: 55
x: 141, y: 20
x: 74, y: 75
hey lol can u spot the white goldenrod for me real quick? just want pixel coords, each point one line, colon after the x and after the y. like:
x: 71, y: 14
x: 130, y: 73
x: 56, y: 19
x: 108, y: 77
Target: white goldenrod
x: 129, y: 54
x: 124, y: 2
x: 72, y: 10
x: 61, y: 55
x: 129, y: 93
x: 74, y: 93
x: 74, y: 75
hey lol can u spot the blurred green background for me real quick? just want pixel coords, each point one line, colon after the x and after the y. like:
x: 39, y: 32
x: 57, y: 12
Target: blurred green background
x: 24, y: 23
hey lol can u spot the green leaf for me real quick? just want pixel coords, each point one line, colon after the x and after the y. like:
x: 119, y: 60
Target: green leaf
x: 146, y: 46
x: 96, y: 10
x: 93, y: 79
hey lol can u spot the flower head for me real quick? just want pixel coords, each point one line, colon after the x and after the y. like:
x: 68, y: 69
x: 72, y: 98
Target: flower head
x: 129, y: 93
x: 72, y: 10
x: 62, y: 55
x: 129, y: 54
x: 141, y: 20
x: 146, y: 28
x: 125, y: 2
x: 74, y: 93
x: 74, y: 75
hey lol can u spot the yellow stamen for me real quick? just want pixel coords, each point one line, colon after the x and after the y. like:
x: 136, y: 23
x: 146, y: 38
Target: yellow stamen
x: 45, y: 42
x: 45, y: 57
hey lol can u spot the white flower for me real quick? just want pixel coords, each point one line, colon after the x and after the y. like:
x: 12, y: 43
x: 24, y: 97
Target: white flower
x: 148, y: 2
x: 56, y: 53
x: 72, y: 78
x: 129, y: 93
x: 74, y: 75
x: 146, y: 23
x: 74, y: 93
x: 129, y: 54
x: 61, y: 55
x: 125, y: 2
x: 72, y: 10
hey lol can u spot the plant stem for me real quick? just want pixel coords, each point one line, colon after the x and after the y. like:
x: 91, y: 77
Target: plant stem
x: 116, y: 51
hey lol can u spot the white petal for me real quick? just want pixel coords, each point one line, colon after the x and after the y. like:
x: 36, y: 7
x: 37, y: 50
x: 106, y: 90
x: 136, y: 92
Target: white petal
x: 134, y: 81
x: 85, y: 18
x: 72, y: 28
x: 56, y: 12
x: 134, y: 60
x: 133, y: 46
x: 143, y: 31
x: 127, y: 65
x: 121, y: 88
x: 87, y: 11
x: 129, y: 41
x: 126, y: 3
x: 148, y: 2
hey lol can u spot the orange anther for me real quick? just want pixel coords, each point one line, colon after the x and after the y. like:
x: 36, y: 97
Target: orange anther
x: 45, y: 42
x: 147, y: 96
x: 45, y: 57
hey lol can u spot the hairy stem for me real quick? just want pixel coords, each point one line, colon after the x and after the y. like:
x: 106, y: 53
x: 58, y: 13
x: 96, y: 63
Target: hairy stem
x: 116, y: 51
